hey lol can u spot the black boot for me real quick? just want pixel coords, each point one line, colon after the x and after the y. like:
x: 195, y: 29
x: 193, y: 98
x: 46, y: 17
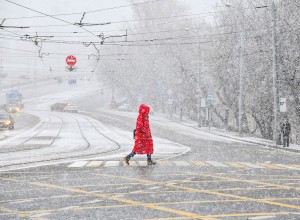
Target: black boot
x: 150, y: 162
x: 126, y: 159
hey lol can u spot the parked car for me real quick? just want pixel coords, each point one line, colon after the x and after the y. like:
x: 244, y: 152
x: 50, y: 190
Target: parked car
x: 71, y: 108
x: 7, y: 122
x: 59, y: 106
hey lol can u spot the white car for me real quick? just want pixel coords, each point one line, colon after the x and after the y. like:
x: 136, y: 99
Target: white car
x: 71, y: 108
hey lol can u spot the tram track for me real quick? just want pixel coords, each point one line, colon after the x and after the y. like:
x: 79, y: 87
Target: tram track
x: 62, y: 156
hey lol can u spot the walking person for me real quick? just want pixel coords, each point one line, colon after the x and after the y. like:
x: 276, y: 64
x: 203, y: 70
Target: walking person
x: 286, y: 130
x: 143, y: 138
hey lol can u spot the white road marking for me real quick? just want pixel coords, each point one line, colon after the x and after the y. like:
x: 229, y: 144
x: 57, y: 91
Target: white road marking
x: 132, y: 163
x: 252, y: 165
x: 216, y: 164
x: 181, y: 163
x: 112, y: 163
x: 78, y: 164
x: 143, y: 163
x: 95, y: 164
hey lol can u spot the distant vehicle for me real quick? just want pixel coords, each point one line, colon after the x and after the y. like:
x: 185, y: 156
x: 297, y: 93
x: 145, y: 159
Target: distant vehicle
x: 59, y: 106
x: 12, y: 108
x: 71, y: 108
x: 7, y: 122
x: 14, y: 97
x: 125, y: 107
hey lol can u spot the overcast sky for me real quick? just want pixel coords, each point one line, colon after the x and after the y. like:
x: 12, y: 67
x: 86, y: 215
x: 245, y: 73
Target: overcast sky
x: 22, y: 62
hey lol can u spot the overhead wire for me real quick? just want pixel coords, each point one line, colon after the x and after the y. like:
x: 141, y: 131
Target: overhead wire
x: 93, y: 11
x: 50, y: 16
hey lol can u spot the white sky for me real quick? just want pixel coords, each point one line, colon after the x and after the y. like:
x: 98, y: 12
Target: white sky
x: 23, y: 63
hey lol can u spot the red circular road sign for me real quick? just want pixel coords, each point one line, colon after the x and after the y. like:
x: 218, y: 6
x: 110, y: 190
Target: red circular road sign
x: 71, y: 60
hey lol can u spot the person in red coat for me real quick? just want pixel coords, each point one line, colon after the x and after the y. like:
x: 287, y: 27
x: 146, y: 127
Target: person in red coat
x: 143, y: 138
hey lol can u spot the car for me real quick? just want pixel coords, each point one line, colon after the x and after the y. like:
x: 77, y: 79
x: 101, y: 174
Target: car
x: 7, y: 122
x: 71, y: 108
x: 59, y: 106
x: 12, y: 108
x: 125, y: 107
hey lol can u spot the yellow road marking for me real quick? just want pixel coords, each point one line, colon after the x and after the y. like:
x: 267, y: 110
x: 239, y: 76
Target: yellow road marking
x: 127, y: 201
x: 296, y: 165
x: 235, y: 164
x: 128, y: 178
x: 11, y: 212
x: 200, y: 164
x: 258, y: 182
x: 251, y: 214
x: 272, y: 166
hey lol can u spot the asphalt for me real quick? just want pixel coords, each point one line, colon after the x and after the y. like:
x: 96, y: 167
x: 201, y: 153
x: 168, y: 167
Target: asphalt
x: 214, y: 180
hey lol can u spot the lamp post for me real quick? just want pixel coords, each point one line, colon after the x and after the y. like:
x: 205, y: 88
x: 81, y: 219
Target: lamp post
x: 199, y: 77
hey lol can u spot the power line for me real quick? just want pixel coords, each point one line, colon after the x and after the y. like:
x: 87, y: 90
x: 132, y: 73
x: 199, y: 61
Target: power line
x: 78, y: 13
x: 50, y: 16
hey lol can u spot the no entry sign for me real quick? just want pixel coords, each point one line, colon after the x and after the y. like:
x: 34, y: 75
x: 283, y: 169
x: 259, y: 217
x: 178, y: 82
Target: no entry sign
x: 71, y: 60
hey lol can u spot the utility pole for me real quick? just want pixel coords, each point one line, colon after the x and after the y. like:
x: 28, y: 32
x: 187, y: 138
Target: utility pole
x: 241, y: 75
x: 275, y: 91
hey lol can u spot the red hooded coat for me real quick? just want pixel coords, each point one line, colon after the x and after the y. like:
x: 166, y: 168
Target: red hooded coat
x: 143, y: 138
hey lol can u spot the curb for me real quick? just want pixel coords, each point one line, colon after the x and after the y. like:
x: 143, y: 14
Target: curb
x: 246, y: 141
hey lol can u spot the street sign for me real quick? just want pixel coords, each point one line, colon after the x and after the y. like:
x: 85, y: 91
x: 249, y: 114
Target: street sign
x: 71, y: 60
x: 203, y: 104
x: 210, y: 99
x: 71, y: 69
x: 282, y: 104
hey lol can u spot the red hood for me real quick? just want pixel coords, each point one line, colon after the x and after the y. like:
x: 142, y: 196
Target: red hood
x: 144, y: 109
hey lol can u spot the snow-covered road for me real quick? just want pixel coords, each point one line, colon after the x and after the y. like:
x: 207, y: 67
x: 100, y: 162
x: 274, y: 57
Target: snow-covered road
x: 64, y: 137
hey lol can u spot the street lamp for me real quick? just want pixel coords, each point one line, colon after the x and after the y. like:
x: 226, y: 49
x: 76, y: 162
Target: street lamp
x: 199, y: 74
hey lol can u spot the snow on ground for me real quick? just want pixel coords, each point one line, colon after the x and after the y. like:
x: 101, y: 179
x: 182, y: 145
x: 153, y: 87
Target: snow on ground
x: 191, y: 128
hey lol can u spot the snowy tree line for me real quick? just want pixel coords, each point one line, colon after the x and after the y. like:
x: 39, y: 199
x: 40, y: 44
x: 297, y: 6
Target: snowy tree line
x: 171, y: 60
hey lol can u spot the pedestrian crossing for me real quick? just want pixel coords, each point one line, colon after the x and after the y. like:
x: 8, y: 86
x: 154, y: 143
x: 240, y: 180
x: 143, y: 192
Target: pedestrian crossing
x: 177, y: 163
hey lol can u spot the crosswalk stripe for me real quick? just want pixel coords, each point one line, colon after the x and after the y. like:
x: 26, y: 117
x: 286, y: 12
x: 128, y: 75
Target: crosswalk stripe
x: 200, y: 164
x: 235, y: 164
x: 286, y: 166
x: 252, y: 165
x: 132, y: 163
x: 168, y: 163
x: 112, y: 163
x: 272, y: 166
x: 216, y: 164
x: 78, y: 164
x: 95, y: 164
x: 164, y: 163
x: 181, y: 163
x: 143, y: 163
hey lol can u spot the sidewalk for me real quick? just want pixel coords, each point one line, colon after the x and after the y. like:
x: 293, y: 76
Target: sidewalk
x: 235, y: 135
x: 163, y: 120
